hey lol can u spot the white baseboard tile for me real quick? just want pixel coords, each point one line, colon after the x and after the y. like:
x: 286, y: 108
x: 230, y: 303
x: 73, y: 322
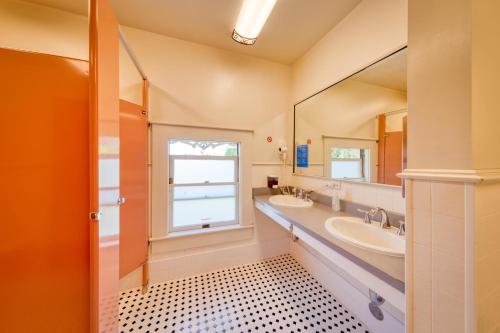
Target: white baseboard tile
x: 181, y: 266
x: 132, y: 279
x: 349, y: 293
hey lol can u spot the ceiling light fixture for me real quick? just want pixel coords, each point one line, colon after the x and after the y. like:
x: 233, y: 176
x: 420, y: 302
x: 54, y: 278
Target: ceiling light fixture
x: 253, y: 15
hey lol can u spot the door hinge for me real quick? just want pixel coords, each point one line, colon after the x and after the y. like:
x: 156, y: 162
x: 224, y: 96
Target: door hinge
x: 170, y: 180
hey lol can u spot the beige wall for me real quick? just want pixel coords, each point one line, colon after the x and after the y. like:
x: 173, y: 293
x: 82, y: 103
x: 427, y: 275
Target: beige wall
x: 485, y: 74
x: 459, y: 75
x: 26, y: 26
x: 439, y: 68
x: 373, y: 30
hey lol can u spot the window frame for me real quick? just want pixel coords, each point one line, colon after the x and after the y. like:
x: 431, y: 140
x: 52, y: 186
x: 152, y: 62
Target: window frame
x: 172, y: 186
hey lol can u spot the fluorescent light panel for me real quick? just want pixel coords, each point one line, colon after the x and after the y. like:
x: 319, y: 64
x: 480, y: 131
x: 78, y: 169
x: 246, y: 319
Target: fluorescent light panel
x: 253, y: 15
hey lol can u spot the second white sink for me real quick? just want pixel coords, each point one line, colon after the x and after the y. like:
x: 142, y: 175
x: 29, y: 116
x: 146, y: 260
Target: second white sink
x: 289, y: 201
x: 370, y: 237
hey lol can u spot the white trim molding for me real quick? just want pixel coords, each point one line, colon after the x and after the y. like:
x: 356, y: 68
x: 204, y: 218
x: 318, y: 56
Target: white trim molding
x: 451, y: 175
x: 202, y: 127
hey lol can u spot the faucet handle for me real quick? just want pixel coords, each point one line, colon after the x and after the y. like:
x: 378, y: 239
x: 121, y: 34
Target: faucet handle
x: 307, y: 195
x: 402, y: 229
x: 367, y: 215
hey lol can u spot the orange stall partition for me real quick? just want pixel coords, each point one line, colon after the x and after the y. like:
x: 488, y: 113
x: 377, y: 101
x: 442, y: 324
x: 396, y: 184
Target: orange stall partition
x: 134, y: 186
x: 44, y: 167
x: 104, y: 167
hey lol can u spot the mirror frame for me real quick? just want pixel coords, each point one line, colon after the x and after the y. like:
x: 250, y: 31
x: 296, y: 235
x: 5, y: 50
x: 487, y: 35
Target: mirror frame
x: 319, y: 92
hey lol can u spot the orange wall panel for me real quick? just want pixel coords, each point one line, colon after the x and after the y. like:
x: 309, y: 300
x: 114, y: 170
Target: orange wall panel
x: 44, y: 169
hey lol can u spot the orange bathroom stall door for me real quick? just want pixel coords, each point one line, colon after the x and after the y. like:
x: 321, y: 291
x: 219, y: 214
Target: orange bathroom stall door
x: 133, y: 186
x: 104, y: 167
x: 44, y: 167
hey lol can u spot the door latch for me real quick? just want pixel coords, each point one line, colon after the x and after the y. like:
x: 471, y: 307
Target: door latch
x: 120, y: 201
x: 95, y: 216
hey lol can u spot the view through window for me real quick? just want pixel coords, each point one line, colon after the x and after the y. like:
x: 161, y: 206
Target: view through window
x: 203, y: 184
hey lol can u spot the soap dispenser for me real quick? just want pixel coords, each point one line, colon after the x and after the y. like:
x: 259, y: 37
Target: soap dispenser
x: 336, y: 197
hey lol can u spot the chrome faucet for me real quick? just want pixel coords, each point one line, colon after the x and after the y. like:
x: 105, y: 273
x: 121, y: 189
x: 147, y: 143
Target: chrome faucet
x: 384, y: 223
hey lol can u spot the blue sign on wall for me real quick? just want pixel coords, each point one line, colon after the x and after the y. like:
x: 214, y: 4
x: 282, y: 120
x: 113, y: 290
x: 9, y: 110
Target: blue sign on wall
x: 303, y: 156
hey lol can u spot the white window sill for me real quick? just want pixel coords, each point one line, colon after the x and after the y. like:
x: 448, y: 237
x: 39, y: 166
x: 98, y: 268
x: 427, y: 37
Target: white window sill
x: 194, y: 232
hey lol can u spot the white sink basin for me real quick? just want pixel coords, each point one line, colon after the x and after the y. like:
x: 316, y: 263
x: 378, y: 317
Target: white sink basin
x: 370, y: 237
x: 289, y: 201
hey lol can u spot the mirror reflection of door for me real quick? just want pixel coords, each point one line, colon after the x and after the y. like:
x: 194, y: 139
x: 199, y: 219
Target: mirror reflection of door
x: 391, y: 146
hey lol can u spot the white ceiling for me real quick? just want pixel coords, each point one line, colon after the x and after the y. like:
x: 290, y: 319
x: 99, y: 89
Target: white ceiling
x: 292, y: 29
x: 389, y: 73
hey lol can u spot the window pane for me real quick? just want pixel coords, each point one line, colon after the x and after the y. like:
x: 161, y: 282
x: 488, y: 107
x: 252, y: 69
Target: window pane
x: 195, y: 205
x: 203, y: 148
x: 202, y: 171
x: 346, y: 169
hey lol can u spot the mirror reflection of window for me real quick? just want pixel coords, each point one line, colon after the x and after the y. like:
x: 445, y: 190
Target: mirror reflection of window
x: 349, y: 163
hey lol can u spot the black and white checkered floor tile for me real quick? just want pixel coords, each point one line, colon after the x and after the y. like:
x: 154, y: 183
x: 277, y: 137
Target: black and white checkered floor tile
x: 275, y: 295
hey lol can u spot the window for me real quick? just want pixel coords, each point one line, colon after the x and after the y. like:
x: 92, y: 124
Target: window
x: 349, y: 163
x: 203, y: 178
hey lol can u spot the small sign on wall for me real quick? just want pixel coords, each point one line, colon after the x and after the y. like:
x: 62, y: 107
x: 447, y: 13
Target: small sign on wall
x: 302, y: 156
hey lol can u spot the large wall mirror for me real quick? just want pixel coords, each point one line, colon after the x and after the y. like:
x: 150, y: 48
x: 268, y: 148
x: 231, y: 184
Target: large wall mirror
x: 356, y: 129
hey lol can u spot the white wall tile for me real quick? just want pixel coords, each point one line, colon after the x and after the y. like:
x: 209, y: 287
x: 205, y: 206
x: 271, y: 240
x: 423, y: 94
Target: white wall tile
x: 421, y: 195
x: 448, y: 234
x: 385, y: 198
x: 422, y: 227
x: 448, y: 199
x: 448, y: 274
x: 447, y: 313
x: 423, y: 288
